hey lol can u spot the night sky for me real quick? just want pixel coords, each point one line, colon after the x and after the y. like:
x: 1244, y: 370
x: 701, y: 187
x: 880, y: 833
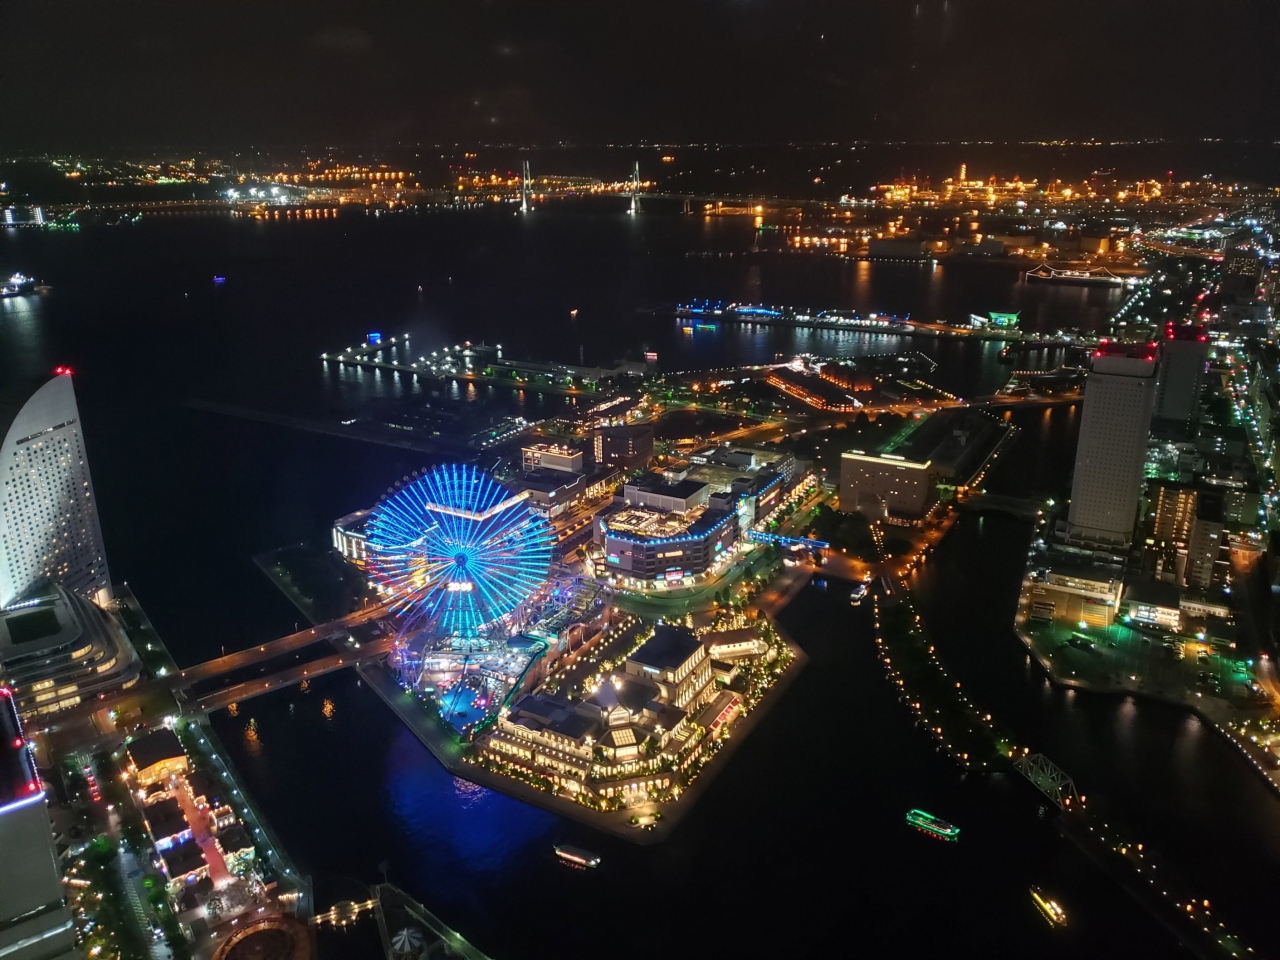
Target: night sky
x: 85, y: 74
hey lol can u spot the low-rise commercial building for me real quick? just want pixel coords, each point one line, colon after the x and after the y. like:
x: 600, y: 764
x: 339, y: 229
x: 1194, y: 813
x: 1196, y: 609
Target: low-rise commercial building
x: 624, y: 739
x: 204, y: 789
x: 884, y: 485
x: 551, y: 491
x: 156, y: 756
x: 551, y: 456
x: 1070, y: 593
x: 1153, y: 603
x: 626, y: 447
x: 659, y: 493
x: 237, y: 850
x: 644, y: 543
x: 183, y: 864
x: 734, y: 644
x: 902, y: 480
x: 166, y: 823
x: 677, y: 662
x: 351, y: 536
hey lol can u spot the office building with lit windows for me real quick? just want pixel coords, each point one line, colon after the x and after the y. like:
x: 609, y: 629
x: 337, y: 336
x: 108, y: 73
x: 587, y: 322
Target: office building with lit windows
x: 351, y: 536
x: 1184, y: 357
x: 49, y: 531
x: 1118, y: 400
x: 903, y: 480
x: 35, y: 923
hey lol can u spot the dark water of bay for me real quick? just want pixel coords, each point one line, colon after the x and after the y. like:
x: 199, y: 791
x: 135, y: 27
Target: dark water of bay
x: 803, y: 832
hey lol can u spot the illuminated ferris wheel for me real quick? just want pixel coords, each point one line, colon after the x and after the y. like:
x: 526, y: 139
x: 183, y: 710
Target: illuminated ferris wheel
x: 456, y: 550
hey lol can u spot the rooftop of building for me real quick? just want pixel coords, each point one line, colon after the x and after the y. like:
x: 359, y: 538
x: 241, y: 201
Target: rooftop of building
x: 38, y: 637
x: 354, y: 522
x: 183, y: 858
x: 205, y: 784
x: 165, y: 818
x: 1063, y: 560
x: 658, y: 485
x: 1155, y: 593
x: 630, y: 693
x: 723, y: 467
x: 626, y: 430
x: 14, y: 396
x: 955, y: 440
x: 1127, y: 349
x: 574, y: 726
x: 722, y: 638
x: 545, y: 480
x: 155, y: 747
x: 234, y: 838
x: 553, y: 712
x: 649, y: 523
x: 38, y: 623
x: 667, y: 649
x: 820, y: 390
x: 1209, y: 505
x: 558, y: 449
x: 1193, y: 332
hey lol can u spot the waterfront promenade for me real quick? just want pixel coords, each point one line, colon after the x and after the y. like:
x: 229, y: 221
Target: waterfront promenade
x: 1221, y: 714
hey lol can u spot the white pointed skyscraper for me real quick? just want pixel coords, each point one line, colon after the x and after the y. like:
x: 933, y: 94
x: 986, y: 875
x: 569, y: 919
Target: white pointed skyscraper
x: 49, y: 532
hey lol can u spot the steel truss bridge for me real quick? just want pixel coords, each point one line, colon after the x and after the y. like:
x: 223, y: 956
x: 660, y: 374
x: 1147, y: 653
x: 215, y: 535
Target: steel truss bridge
x: 1050, y: 779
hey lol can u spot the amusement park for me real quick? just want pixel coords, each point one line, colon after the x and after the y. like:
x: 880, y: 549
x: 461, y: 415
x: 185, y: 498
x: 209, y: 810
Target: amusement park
x: 465, y: 565
x: 603, y: 692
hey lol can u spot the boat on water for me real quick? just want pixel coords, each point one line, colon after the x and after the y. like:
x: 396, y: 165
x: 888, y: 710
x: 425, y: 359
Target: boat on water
x: 1048, y: 907
x: 933, y: 826
x: 857, y: 593
x: 17, y: 286
x: 577, y: 857
x: 1099, y: 276
x: 712, y: 313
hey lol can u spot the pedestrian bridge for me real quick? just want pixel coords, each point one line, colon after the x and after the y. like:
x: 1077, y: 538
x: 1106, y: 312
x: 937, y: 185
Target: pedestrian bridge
x: 1015, y: 506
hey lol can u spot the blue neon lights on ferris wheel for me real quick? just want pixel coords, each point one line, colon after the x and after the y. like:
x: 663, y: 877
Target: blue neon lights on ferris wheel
x: 455, y: 547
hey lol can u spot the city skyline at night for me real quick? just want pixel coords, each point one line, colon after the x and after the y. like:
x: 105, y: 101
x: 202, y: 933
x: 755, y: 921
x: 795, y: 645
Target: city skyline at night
x: 555, y: 449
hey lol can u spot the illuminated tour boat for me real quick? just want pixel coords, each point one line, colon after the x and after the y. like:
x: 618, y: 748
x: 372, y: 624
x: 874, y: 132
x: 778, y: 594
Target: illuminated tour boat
x: 935, y: 827
x: 1050, y: 908
x: 577, y: 857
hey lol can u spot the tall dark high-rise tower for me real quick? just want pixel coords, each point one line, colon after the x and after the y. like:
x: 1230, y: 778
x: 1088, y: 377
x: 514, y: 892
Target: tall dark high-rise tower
x: 34, y: 921
x: 1184, y: 354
